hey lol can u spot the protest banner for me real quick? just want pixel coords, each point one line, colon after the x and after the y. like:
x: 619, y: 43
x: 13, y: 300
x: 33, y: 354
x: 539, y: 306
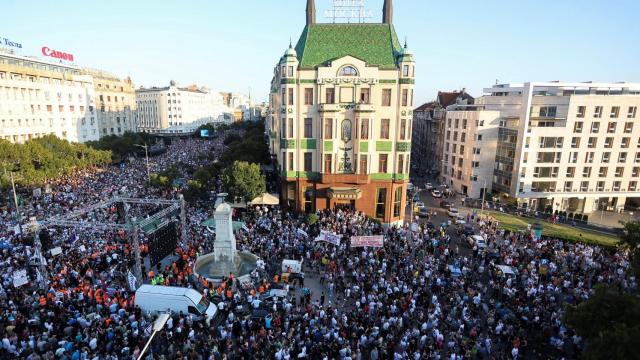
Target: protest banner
x: 363, y: 241
x: 20, y: 278
x: 303, y: 233
x: 328, y: 237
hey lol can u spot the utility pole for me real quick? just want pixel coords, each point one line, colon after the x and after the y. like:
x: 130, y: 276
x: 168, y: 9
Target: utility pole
x: 15, y: 201
x: 42, y: 269
x: 146, y: 154
x: 132, y: 230
x: 183, y: 216
x: 484, y: 194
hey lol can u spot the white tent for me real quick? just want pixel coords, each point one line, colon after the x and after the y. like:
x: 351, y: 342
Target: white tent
x: 266, y: 199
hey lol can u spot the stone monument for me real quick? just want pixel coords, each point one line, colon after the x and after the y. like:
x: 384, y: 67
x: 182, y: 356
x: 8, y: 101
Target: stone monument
x: 225, y: 259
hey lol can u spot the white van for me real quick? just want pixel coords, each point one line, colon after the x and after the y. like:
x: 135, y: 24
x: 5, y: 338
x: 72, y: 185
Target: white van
x: 291, y: 266
x: 155, y: 299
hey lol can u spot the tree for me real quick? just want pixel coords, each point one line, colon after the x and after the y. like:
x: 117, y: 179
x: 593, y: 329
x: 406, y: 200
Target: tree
x: 609, y: 322
x: 243, y: 179
x: 630, y: 239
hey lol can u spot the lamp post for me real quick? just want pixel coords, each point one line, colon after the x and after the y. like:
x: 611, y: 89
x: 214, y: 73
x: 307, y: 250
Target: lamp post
x: 146, y: 154
x: 484, y: 194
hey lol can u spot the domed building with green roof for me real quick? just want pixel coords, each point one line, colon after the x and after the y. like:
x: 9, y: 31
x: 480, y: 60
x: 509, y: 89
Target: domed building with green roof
x: 340, y: 123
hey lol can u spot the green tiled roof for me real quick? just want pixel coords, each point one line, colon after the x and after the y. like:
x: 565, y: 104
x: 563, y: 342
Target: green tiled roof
x: 376, y: 44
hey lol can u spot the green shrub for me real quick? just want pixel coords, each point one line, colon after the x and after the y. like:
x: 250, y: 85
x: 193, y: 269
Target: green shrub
x: 312, y: 219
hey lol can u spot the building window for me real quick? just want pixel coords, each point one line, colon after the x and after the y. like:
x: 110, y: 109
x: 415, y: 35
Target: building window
x: 308, y: 96
x: 637, y: 159
x: 290, y: 128
x: 397, y: 201
x: 405, y: 70
x: 582, y: 110
x: 364, y: 96
x: 308, y: 128
x: 619, y: 171
x: 611, y: 128
x: 384, y: 129
x: 382, y: 163
x: 599, y: 186
x: 283, y: 128
x: 575, y: 142
x: 328, y: 163
x: 386, y: 97
x: 403, y: 129
x: 290, y: 73
x: 405, y: 97
x: 595, y: 127
x: 628, y: 127
x: 571, y: 171
x: 603, y: 171
x: 632, y: 112
x: 381, y: 202
x: 568, y: 185
x: 330, y: 94
x: 577, y: 127
x: 584, y: 186
x: 622, y: 157
x: 348, y: 71
x: 308, y: 200
x: 597, y: 113
x: 615, y: 111
x: 364, y: 129
x: 290, y: 161
x: 632, y: 185
x: 308, y: 156
x: 608, y: 143
x: 400, y: 164
x: 624, y: 144
x: 593, y: 142
x: 362, y: 170
x: 606, y: 157
x: 290, y: 97
x: 328, y: 128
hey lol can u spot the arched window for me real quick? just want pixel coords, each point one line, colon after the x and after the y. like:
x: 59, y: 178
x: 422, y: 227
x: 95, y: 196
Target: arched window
x: 348, y: 71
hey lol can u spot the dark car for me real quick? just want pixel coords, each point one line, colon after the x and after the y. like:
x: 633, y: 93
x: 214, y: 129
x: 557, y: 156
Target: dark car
x: 430, y: 226
x: 445, y: 204
x: 467, y: 230
x: 423, y: 212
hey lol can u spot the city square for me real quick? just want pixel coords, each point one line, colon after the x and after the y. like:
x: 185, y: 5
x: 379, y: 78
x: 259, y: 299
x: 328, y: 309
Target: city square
x: 334, y: 218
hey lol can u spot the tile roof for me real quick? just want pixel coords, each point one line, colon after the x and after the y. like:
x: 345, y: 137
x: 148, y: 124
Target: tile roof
x: 449, y: 98
x: 376, y: 44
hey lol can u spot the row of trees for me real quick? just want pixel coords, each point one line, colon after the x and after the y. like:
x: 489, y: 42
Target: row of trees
x: 45, y: 158
x: 121, y: 146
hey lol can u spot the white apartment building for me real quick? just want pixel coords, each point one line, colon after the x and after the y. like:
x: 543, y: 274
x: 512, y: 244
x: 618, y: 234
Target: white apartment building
x: 174, y: 109
x: 562, y: 146
x: 39, y: 97
x: 470, y: 143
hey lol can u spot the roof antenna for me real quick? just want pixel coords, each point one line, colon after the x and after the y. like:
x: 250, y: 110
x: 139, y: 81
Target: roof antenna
x: 290, y: 42
x: 405, y: 42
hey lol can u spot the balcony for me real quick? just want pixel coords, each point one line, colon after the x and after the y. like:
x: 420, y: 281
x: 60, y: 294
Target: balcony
x: 329, y: 108
x: 365, y: 108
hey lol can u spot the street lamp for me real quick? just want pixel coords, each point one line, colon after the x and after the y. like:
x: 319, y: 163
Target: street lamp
x: 146, y: 154
x: 157, y: 326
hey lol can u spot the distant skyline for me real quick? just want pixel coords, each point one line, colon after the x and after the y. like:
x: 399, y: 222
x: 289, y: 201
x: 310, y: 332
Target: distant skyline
x: 234, y: 45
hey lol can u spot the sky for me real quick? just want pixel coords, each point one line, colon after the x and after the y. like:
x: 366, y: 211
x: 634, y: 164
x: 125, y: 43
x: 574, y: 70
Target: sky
x: 234, y: 45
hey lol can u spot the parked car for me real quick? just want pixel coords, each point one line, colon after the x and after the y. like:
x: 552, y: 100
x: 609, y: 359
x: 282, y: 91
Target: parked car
x: 428, y: 186
x: 436, y: 193
x: 461, y: 220
x: 423, y: 212
x: 445, y: 204
x: 154, y: 299
x: 416, y: 197
x: 418, y: 204
x: 467, y: 230
x: 410, y: 186
x: 453, y: 212
x: 476, y: 240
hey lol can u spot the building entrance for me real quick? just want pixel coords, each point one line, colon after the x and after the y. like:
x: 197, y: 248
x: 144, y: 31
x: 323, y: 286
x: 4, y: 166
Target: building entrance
x: 349, y: 205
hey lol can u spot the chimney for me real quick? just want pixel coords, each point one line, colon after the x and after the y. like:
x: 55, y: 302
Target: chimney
x: 387, y: 12
x: 311, y: 12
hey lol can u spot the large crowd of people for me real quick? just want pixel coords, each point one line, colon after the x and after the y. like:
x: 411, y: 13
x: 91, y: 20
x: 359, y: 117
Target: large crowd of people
x: 422, y: 295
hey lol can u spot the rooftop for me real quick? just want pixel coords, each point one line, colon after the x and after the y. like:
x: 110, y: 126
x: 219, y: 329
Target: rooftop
x: 375, y: 44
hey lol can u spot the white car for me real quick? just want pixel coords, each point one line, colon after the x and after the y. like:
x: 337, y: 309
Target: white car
x: 419, y: 204
x: 453, y: 212
x: 477, y: 240
x: 428, y: 186
x: 436, y: 193
x: 460, y: 220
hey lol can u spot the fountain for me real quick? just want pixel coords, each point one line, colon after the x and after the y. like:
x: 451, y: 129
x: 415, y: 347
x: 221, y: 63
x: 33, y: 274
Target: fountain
x: 225, y: 259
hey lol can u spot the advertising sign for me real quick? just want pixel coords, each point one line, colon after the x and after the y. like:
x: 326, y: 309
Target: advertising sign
x: 363, y: 241
x: 204, y: 133
x: 8, y: 42
x: 46, y: 51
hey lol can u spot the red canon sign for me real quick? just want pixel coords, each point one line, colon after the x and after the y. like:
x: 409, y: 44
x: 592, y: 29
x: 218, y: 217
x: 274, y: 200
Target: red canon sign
x: 57, y: 54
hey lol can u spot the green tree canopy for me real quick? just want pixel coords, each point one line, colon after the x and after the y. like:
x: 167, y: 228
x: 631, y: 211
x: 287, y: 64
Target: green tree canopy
x: 244, y: 180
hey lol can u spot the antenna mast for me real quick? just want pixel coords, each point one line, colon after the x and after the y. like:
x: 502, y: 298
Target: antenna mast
x: 348, y: 10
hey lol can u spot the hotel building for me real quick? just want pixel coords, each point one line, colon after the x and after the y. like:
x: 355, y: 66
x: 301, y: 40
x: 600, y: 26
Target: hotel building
x: 340, y: 123
x: 551, y: 145
x: 40, y: 97
x: 176, y: 110
x: 115, y: 103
